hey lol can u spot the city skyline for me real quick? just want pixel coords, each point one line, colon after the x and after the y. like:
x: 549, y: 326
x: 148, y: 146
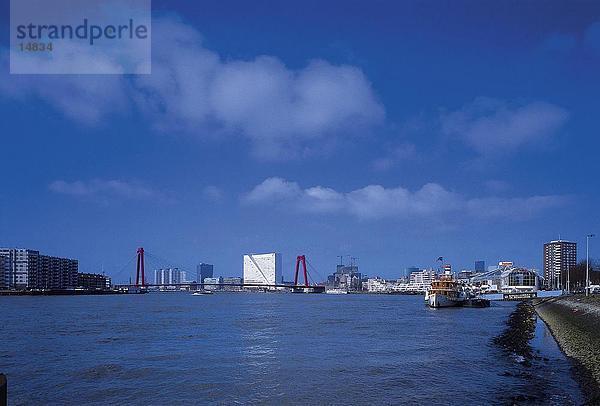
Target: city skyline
x: 430, y: 133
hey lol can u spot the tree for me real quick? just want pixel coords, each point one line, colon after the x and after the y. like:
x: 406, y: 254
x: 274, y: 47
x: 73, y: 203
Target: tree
x: 577, y: 274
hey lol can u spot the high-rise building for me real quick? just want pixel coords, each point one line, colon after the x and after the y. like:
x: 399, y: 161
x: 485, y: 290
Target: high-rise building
x: 559, y: 257
x: 346, y: 277
x: 20, y: 263
x: 28, y: 269
x: 168, y: 276
x: 203, y: 271
x: 4, y: 274
x: 409, y: 270
x: 54, y: 273
x: 479, y: 266
x: 262, y: 269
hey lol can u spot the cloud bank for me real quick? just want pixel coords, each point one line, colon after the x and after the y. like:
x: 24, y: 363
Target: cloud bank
x: 374, y: 202
x: 493, y: 126
x: 194, y: 90
x: 104, y: 189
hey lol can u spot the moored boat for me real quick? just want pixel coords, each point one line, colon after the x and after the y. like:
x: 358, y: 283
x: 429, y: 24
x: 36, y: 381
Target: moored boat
x: 476, y: 302
x: 336, y: 291
x: 445, y: 292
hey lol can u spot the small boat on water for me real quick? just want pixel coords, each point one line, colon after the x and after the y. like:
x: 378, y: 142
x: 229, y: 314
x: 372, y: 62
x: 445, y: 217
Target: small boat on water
x: 202, y: 293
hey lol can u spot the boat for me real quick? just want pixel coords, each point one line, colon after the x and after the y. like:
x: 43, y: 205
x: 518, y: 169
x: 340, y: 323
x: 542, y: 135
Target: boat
x: 445, y: 292
x: 336, y: 291
x: 476, y: 302
x: 202, y: 292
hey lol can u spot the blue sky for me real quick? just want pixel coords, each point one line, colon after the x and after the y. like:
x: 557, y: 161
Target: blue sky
x: 396, y: 133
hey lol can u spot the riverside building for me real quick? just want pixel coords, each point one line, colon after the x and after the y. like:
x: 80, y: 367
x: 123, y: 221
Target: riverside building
x: 93, y: 281
x: 212, y: 283
x: 421, y: 280
x: 168, y: 276
x: 346, y: 277
x: 235, y: 281
x: 507, y: 278
x: 559, y: 257
x: 3, y: 272
x: 203, y: 271
x: 28, y: 269
x: 262, y: 269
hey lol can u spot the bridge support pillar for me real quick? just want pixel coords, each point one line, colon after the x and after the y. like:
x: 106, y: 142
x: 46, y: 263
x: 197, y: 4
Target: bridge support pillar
x: 140, y: 268
x: 301, y: 259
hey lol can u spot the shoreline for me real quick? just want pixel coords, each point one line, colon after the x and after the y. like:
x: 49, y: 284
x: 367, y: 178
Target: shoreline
x: 536, y: 362
x: 574, y: 322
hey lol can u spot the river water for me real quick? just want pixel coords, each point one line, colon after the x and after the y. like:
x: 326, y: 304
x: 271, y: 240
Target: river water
x: 229, y: 348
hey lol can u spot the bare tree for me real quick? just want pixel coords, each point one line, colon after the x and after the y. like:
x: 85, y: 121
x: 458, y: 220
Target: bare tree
x: 577, y: 275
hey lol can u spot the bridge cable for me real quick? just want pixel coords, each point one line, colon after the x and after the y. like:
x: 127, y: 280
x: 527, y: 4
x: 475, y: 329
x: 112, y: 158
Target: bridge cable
x: 120, y: 271
x: 315, y: 270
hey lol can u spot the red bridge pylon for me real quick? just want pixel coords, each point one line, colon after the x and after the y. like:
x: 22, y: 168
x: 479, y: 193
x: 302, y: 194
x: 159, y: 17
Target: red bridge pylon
x: 140, y: 267
x: 299, y: 259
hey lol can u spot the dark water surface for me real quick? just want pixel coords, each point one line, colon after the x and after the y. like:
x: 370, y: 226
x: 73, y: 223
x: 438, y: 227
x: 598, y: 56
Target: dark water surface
x: 175, y: 348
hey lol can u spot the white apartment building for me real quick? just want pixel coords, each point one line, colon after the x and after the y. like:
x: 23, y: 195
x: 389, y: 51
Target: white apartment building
x: 167, y: 276
x: 20, y: 262
x: 378, y: 285
x: 421, y: 280
x: 4, y: 272
x: 212, y: 283
x: 559, y: 257
x: 28, y: 269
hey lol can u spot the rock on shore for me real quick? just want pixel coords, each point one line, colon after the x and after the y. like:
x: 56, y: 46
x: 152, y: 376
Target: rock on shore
x: 575, y: 324
x: 519, y: 331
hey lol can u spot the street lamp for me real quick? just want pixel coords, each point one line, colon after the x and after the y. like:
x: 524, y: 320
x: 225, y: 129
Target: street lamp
x: 587, y: 263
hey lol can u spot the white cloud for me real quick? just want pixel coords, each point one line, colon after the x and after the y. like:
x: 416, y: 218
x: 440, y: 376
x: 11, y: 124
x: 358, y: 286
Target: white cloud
x: 194, y: 90
x: 273, y: 190
x: 497, y: 186
x: 432, y: 201
x: 402, y: 152
x: 212, y: 193
x: 493, y: 126
x: 104, y: 189
x: 82, y: 98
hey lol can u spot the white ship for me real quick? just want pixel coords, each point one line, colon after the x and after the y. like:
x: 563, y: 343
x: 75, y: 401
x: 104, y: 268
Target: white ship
x: 336, y: 291
x: 445, y: 292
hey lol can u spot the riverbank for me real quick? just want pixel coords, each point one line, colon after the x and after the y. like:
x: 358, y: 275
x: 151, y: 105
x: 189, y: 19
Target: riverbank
x: 541, y: 367
x: 575, y: 324
x: 65, y: 292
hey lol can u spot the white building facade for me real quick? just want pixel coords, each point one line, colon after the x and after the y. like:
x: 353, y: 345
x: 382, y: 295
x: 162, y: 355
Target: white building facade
x: 167, y: 276
x: 28, y: 269
x: 4, y: 272
x: 263, y: 269
x: 559, y: 257
x: 212, y: 283
x: 421, y: 280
